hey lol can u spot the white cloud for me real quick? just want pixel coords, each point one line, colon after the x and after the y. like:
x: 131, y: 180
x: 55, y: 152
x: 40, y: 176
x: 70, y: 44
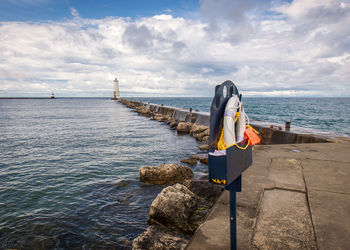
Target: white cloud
x: 299, y: 48
x: 74, y: 12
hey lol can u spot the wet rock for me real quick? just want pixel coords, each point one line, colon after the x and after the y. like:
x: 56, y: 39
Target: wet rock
x: 167, y: 173
x: 208, y: 191
x: 197, y: 129
x: 158, y: 237
x: 167, y: 119
x: 173, y: 124
x: 204, y: 147
x: 144, y: 111
x: 125, y: 242
x: 204, y: 160
x: 159, y: 117
x: 190, y: 161
x: 199, y: 156
x: 203, y: 136
x: 177, y: 208
x: 121, y: 184
x: 184, y: 127
x: 129, y: 104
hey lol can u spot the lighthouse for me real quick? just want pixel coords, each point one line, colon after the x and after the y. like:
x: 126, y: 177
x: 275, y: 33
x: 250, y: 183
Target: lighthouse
x: 115, y: 89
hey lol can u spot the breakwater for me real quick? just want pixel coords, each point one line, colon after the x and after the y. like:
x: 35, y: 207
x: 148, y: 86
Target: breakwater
x: 268, y: 135
x: 165, y: 229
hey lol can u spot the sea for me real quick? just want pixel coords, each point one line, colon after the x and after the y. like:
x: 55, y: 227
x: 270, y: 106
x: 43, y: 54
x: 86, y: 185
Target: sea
x: 69, y: 166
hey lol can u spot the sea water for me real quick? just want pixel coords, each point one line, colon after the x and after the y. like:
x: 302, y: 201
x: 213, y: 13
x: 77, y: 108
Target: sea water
x: 69, y: 172
x: 69, y: 167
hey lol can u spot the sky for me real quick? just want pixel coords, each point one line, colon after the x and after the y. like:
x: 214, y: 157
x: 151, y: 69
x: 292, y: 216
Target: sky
x: 298, y: 48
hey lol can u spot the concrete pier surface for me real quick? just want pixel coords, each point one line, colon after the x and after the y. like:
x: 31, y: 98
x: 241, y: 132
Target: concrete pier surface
x: 295, y: 196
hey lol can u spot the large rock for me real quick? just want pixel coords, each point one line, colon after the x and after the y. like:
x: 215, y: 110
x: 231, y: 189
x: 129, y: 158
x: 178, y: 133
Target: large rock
x: 173, y: 124
x: 144, y: 111
x: 159, y: 117
x: 203, y: 136
x: 204, y: 147
x: 177, y: 208
x: 157, y: 237
x: 208, y: 191
x: 197, y: 129
x: 190, y: 161
x: 184, y: 127
x: 167, y: 173
x: 200, y: 156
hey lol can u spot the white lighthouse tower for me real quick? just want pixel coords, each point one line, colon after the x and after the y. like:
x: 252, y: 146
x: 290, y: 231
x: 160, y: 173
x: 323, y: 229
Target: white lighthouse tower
x: 116, y: 89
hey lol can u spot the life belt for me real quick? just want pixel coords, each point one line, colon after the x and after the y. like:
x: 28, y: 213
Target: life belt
x: 234, y: 121
x: 240, y: 124
x: 235, y: 127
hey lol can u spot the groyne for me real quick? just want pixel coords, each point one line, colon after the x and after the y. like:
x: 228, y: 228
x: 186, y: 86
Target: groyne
x: 268, y: 135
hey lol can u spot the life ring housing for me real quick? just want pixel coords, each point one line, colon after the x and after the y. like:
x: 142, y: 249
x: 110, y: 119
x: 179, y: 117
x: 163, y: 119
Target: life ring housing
x: 218, y: 107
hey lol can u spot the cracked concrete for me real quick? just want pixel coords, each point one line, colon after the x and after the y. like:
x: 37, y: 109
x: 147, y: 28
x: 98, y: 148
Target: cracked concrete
x: 294, y: 196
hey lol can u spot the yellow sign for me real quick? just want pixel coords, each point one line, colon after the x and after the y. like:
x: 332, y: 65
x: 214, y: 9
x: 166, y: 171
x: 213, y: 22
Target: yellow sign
x: 218, y: 181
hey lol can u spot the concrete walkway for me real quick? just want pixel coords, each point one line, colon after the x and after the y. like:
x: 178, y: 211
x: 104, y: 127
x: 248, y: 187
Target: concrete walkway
x: 295, y: 196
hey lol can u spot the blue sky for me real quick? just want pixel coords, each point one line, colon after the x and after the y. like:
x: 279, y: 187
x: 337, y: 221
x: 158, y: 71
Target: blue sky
x: 174, y: 48
x: 58, y: 10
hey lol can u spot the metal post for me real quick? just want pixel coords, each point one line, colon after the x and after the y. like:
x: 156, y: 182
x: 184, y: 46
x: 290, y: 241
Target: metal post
x: 233, y: 220
x: 235, y: 186
x: 287, y: 127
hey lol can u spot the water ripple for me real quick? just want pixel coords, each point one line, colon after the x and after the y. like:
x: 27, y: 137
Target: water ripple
x: 69, y: 172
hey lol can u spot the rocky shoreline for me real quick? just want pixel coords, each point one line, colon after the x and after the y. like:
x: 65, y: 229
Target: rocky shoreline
x: 182, y: 206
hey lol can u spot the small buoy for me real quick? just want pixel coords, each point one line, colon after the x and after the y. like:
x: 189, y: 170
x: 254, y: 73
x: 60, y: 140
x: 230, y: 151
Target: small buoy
x: 271, y: 126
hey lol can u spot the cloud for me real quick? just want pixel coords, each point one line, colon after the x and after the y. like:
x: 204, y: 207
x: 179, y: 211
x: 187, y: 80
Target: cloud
x: 298, y: 48
x: 140, y: 38
x: 74, y: 12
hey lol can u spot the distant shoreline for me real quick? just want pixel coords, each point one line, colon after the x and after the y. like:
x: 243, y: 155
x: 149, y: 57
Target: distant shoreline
x: 26, y: 98
x: 1, y: 98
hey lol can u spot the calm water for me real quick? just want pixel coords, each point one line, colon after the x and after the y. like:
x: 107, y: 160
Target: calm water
x: 69, y: 172
x: 318, y: 114
x: 69, y: 167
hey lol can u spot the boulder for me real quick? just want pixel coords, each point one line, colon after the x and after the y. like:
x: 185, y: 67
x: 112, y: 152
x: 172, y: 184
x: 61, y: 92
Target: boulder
x: 204, y: 160
x: 197, y: 129
x: 190, y: 161
x: 199, y: 156
x: 159, y: 117
x: 204, y: 147
x: 158, y: 237
x: 184, y: 127
x: 167, y: 173
x: 177, y: 208
x: 173, y: 124
x: 144, y: 111
x: 203, y: 136
x: 208, y: 191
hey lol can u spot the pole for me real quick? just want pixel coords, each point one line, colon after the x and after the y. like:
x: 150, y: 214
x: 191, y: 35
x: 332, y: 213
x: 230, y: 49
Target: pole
x: 235, y: 186
x: 233, y: 220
